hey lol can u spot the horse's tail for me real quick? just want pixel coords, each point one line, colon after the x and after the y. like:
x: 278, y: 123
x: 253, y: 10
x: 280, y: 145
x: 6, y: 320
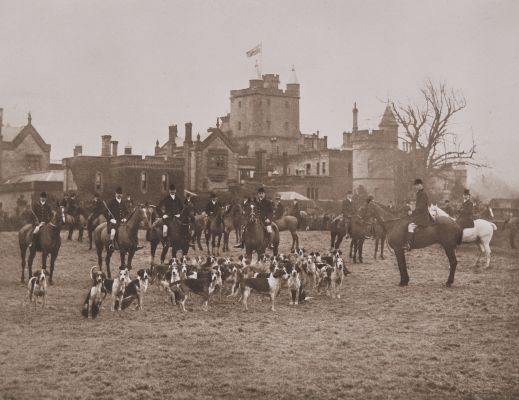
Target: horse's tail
x: 391, y: 250
x: 494, y: 226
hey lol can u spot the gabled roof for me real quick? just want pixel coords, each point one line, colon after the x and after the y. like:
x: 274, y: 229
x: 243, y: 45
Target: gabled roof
x: 217, y: 133
x: 16, y: 135
x: 42, y: 176
x: 388, y: 119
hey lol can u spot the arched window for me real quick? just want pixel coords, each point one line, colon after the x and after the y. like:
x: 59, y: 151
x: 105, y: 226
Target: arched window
x: 239, y: 125
x: 144, y: 182
x: 98, y: 182
x: 164, y: 182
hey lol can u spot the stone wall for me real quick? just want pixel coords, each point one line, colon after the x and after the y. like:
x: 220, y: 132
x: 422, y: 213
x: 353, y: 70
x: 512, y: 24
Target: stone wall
x: 15, y: 160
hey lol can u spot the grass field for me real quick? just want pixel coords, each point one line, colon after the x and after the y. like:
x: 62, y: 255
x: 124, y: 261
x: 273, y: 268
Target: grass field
x: 379, y: 341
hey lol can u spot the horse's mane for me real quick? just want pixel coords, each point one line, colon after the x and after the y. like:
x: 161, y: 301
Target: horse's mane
x: 383, y: 212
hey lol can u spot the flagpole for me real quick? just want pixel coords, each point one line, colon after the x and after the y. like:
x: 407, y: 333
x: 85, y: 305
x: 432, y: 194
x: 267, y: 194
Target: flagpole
x: 261, y: 59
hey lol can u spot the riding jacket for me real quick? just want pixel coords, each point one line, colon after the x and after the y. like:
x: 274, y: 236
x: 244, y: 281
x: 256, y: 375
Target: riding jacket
x: 266, y: 209
x: 117, y: 209
x: 420, y: 215
x: 43, y: 212
x: 466, y: 215
x: 348, y: 209
x: 72, y: 206
x: 97, y: 209
x: 212, y: 208
x: 279, y: 211
x: 170, y: 206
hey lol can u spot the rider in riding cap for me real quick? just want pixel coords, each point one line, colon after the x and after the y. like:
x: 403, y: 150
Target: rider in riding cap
x: 115, y: 214
x: 96, y: 210
x: 447, y: 208
x: 348, y: 210
x: 266, y: 210
x: 466, y: 213
x: 420, y: 216
x: 279, y: 210
x: 169, y: 207
x: 406, y: 210
x: 211, y: 209
x: 72, y: 206
x: 64, y: 201
x: 42, y: 214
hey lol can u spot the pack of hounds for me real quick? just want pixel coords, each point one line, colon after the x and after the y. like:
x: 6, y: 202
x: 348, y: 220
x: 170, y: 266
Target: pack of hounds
x: 206, y: 277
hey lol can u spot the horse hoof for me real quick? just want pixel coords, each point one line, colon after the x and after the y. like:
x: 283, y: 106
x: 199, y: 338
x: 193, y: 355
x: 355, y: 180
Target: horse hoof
x: 51, y: 283
x: 382, y: 258
x: 403, y: 283
x: 448, y: 284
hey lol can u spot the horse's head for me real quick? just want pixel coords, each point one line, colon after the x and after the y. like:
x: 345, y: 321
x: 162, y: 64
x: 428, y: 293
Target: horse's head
x: 188, y: 212
x: 143, y: 215
x: 59, y: 217
x: 251, y: 211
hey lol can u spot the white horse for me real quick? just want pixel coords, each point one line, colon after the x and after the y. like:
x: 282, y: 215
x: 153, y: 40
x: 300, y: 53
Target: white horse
x: 481, y: 233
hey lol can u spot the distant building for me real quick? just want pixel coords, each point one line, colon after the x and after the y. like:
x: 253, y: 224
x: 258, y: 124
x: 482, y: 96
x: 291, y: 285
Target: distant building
x: 144, y: 178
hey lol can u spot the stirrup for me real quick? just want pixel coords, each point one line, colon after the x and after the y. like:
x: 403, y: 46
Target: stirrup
x: 238, y: 246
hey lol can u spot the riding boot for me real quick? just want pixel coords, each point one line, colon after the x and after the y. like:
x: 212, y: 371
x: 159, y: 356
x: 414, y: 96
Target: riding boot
x: 409, y: 241
x: 111, y: 245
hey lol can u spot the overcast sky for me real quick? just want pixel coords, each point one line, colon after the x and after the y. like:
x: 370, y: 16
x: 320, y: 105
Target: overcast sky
x: 131, y: 68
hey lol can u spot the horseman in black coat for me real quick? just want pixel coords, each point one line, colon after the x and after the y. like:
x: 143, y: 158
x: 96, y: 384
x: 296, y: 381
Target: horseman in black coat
x: 266, y: 210
x: 466, y: 213
x: 64, y: 201
x: 96, y: 209
x: 115, y: 214
x: 169, y: 207
x: 420, y: 217
x: 211, y: 209
x: 348, y: 211
x: 279, y: 210
x: 447, y: 208
x: 73, y: 206
x: 42, y: 214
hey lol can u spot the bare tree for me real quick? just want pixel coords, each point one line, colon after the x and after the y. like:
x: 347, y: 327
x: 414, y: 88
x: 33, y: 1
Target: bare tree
x: 427, y: 129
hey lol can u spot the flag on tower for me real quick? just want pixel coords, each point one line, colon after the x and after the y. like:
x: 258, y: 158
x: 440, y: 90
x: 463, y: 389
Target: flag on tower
x: 254, y: 51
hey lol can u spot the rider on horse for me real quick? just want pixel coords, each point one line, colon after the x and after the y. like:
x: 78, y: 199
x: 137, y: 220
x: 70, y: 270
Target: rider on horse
x: 96, y: 210
x: 420, y: 216
x: 169, y: 207
x: 466, y: 213
x: 42, y: 213
x: 348, y: 210
x: 115, y: 214
x: 211, y: 209
x: 64, y: 201
x: 279, y: 210
x: 73, y: 206
x: 266, y: 210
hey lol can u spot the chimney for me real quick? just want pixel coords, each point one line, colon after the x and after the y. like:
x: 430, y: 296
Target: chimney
x: 105, y: 145
x: 78, y: 150
x: 173, y: 131
x: 127, y: 150
x: 355, y: 118
x: 114, y: 147
x: 189, y: 133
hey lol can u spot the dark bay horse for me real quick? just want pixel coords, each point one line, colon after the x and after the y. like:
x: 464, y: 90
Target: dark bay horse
x: 380, y: 237
x: 215, y: 231
x: 359, y: 231
x: 75, y: 222
x: 233, y: 218
x: 126, y: 238
x: 444, y: 232
x: 338, y: 229
x: 49, y: 242
x: 199, y: 227
x: 178, y: 234
x: 255, y: 238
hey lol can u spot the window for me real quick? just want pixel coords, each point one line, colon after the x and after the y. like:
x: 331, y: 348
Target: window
x: 268, y: 102
x: 164, y: 182
x: 144, y: 182
x: 370, y: 165
x: 324, y: 168
x: 289, y: 171
x: 308, y: 193
x: 349, y: 169
x: 268, y: 125
x: 98, y: 182
x: 317, y: 170
x: 286, y: 104
x: 316, y: 193
x: 286, y: 126
x: 308, y: 166
x: 239, y: 104
x: 239, y: 125
x: 33, y: 162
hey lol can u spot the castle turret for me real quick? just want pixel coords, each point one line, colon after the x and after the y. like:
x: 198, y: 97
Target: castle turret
x: 173, y: 131
x: 355, y: 118
x: 188, y: 138
x: 293, y: 88
x: 105, y: 145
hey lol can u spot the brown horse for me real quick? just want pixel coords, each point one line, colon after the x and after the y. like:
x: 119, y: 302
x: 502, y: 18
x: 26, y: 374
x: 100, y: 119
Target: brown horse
x: 91, y: 226
x: 444, y: 232
x: 126, y: 239
x: 199, y: 227
x: 232, y: 220
x: 380, y: 237
x: 178, y: 234
x: 513, y: 229
x: 289, y: 223
x: 338, y: 229
x: 255, y: 238
x: 75, y: 222
x: 48, y: 242
x: 359, y: 231
x: 214, y: 232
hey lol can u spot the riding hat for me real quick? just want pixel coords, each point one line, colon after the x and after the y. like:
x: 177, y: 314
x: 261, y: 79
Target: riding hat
x: 261, y: 190
x: 418, y: 182
x: 369, y: 198
x: 348, y: 192
x: 278, y: 197
x: 172, y: 187
x: 213, y: 195
x: 96, y: 195
x: 43, y: 194
x: 466, y: 192
x: 119, y: 190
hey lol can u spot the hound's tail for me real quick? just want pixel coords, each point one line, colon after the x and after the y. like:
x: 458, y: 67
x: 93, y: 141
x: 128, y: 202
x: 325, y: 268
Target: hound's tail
x: 92, y: 272
x: 84, y: 311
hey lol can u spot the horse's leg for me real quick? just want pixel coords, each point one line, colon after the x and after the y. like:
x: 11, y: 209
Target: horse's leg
x: 107, y: 262
x: 164, y: 254
x: 218, y: 247
x: 32, y: 254
x: 486, y: 246
x: 361, y: 246
x: 80, y: 233
x: 512, y: 240
x: 382, y: 248
x: 53, y: 256
x: 481, y: 250
x: 376, y: 247
x: 351, y: 248
x: 332, y: 240
x: 453, y: 262
x: 122, y: 255
x: 70, y: 231
x: 226, y: 241
x: 293, y: 241
x: 207, y: 239
x: 89, y: 231
x: 99, y: 250
x: 402, y: 266
x: 23, y: 254
x: 153, y: 249
x: 131, y: 253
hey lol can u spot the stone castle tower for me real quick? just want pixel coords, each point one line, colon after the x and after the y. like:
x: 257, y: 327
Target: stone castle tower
x: 374, y: 156
x: 265, y: 118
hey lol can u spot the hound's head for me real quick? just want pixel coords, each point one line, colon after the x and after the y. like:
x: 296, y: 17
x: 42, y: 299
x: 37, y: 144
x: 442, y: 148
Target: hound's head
x: 175, y: 275
x: 41, y: 276
x: 123, y: 275
x: 339, y: 264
